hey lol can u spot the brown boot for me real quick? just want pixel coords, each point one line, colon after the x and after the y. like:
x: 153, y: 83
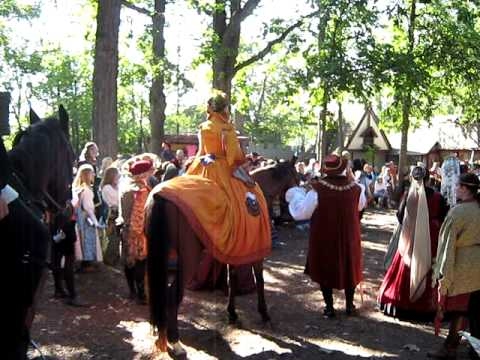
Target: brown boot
x: 449, y: 347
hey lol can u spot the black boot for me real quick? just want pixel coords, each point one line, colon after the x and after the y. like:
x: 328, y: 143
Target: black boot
x: 130, y: 276
x: 349, y: 306
x: 329, y: 311
x: 58, y: 283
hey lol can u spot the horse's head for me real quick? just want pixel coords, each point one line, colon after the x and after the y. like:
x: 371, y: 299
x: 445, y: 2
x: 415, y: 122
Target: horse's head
x: 276, y: 179
x: 43, y: 157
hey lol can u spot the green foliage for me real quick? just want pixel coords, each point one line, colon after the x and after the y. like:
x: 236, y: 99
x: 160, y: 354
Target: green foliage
x: 338, y: 62
x: 273, y: 107
x: 444, y: 57
x: 185, y: 122
x: 12, y: 9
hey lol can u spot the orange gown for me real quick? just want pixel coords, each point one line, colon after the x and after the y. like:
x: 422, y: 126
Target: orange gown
x: 215, y: 203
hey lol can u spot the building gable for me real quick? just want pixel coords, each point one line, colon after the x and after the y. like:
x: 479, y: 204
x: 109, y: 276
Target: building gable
x: 368, y: 133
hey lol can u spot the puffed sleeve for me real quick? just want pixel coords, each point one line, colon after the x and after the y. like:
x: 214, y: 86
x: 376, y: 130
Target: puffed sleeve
x: 362, y: 200
x: 200, y: 150
x: 234, y: 153
x: 88, y: 205
x: 301, y: 205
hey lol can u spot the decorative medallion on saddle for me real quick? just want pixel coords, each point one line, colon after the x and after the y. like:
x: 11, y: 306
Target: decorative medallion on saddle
x: 253, y: 206
x: 241, y: 174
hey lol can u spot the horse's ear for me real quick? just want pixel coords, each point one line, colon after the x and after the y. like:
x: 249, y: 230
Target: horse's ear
x: 294, y: 159
x: 64, y: 119
x: 34, y: 118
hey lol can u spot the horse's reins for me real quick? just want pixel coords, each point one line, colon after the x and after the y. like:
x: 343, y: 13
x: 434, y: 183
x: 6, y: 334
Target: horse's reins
x: 36, y: 209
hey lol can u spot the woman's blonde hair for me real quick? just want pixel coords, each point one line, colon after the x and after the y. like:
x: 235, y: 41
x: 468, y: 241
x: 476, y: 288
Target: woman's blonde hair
x: 106, y: 163
x: 218, y: 101
x: 109, y: 176
x: 80, y: 178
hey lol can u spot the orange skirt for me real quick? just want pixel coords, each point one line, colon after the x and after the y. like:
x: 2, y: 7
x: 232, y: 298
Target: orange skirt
x: 217, y: 211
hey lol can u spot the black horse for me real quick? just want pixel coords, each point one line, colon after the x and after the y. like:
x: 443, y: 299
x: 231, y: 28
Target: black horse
x: 41, y: 161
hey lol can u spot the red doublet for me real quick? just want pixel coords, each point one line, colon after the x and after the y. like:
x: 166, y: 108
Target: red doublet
x: 335, y: 254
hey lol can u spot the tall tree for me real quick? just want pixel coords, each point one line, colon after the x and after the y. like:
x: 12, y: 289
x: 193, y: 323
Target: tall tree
x: 417, y: 63
x: 224, y: 43
x: 158, y: 65
x: 105, y: 117
x: 336, y: 62
x: 157, y: 93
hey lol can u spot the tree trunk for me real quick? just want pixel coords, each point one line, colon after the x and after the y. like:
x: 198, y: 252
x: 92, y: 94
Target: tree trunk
x: 407, y: 99
x: 403, y: 159
x: 321, y: 146
x: 227, y: 45
x: 104, y: 117
x: 157, y: 94
x: 340, y: 136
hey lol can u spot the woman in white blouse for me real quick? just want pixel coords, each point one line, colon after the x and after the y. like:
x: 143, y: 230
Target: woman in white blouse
x: 87, y: 223
x: 110, y: 196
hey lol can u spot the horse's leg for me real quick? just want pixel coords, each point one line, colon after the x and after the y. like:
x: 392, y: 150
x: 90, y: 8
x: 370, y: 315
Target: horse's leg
x: 262, y: 305
x: 232, y: 291
x: 173, y: 302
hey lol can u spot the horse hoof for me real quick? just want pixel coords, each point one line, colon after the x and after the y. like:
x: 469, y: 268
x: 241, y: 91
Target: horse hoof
x: 176, y: 350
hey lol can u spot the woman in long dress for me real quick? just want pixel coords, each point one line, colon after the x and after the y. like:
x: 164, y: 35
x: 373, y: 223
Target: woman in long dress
x: 87, y: 223
x: 219, y: 199
x: 406, y: 288
x: 457, y: 270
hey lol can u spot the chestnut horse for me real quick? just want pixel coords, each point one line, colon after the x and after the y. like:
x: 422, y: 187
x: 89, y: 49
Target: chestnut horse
x: 168, y: 230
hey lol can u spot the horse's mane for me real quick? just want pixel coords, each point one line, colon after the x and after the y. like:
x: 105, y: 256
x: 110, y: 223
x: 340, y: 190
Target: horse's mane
x: 279, y: 169
x: 40, y: 152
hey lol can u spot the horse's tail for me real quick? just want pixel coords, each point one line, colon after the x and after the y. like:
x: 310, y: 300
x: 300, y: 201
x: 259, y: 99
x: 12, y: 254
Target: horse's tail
x: 157, y: 260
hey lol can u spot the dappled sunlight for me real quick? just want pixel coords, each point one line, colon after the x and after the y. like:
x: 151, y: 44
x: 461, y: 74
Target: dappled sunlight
x: 281, y: 265
x: 349, y: 348
x: 379, y: 220
x: 75, y: 352
x: 142, y: 338
x: 374, y: 246
x: 245, y: 343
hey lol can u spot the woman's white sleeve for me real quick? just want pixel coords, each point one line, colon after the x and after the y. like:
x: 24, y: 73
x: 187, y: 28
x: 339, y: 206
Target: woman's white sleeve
x: 362, y: 200
x: 302, y: 206
x: 88, y: 206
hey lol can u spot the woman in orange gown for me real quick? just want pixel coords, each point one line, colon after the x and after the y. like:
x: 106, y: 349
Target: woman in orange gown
x: 224, y: 206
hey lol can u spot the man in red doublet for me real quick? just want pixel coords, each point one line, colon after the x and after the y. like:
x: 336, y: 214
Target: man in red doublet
x: 334, y: 255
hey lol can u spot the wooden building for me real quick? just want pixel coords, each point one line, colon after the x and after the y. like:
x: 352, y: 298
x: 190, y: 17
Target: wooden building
x: 429, y: 143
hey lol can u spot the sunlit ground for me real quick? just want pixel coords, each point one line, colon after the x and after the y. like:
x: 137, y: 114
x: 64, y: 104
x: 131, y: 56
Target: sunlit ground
x: 117, y: 329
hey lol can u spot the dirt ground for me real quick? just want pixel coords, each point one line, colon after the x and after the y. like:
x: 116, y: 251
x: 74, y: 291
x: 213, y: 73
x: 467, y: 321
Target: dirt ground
x: 115, y: 328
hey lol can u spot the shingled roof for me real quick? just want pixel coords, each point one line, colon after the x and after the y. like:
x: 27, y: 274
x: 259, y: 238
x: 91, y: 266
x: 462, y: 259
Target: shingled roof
x: 443, y: 132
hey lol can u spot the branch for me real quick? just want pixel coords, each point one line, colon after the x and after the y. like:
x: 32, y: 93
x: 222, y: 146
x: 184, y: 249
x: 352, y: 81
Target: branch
x: 247, y: 9
x: 268, y: 48
x: 136, y: 8
x: 238, y: 15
